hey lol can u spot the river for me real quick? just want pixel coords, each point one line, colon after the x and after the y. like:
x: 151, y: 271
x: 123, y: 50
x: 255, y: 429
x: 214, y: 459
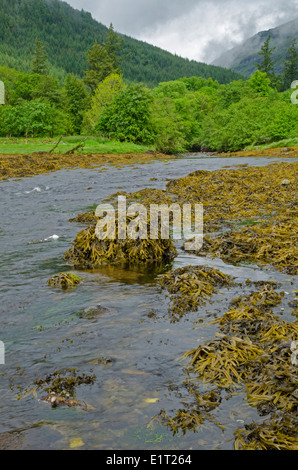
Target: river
x: 133, y: 355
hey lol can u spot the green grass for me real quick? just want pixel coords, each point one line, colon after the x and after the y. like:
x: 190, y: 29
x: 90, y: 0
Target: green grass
x: 282, y: 143
x: 92, y: 145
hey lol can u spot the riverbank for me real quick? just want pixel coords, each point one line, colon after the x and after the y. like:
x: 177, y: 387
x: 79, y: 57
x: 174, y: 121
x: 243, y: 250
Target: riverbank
x: 289, y: 152
x: 26, y: 165
x: 20, y: 166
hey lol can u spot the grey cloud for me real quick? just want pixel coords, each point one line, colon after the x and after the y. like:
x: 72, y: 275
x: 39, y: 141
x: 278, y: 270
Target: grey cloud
x: 197, y: 29
x: 131, y: 16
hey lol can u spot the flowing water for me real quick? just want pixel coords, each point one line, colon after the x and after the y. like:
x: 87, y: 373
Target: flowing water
x: 131, y: 347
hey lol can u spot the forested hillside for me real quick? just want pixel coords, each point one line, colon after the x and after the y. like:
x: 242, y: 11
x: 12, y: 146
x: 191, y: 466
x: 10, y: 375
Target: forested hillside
x: 78, y: 77
x: 68, y: 33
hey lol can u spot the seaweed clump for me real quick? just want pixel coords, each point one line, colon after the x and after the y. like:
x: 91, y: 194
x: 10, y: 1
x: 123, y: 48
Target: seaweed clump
x: 270, y: 243
x: 190, y: 286
x: 278, y: 433
x: 89, y: 251
x: 223, y: 361
x: 84, y: 218
x: 61, y: 385
x: 192, y: 416
x: 64, y: 280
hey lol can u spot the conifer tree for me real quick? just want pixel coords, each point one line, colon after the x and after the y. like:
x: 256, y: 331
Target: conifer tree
x: 267, y: 64
x: 290, y: 70
x: 39, y: 59
x: 113, y: 47
x: 103, y: 60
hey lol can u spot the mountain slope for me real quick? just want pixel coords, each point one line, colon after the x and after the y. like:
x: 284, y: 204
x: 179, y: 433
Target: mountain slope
x: 242, y: 58
x: 68, y: 33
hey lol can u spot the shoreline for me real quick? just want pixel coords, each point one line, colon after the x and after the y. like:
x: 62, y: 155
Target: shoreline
x: 26, y: 165
x: 289, y: 152
x: 20, y: 166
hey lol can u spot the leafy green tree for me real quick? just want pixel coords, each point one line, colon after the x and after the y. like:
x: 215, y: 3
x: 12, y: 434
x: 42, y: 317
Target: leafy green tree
x: 251, y: 121
x: 34, y: 86
x: 230, y: 93
x: 128, y: 116
x: 8, y: 76
x: 169, y: 132
x: 47, y: 88
x: 259, y: 83
x: 76, y: 101
x: 290, y: 66
x: 34, y: 118
x: 173, y: 89
x: 103, y: 96
x: 39, y: 59
x: 23, y: 87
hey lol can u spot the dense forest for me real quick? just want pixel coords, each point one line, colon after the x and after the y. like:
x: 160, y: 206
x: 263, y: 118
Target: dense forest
x: 191, y: 113
x: 68, y: 33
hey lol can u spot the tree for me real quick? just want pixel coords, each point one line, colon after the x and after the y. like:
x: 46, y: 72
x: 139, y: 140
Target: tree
x: 267, y: 64
x: 259, y: 83
x: 113, y: 47
x: 34, y: 118
x: 76, y: 101
x: 290, y: 69
x: 39, y: 59
x: 103, y: 60
x: 104, y: 95
x: 129, y: 117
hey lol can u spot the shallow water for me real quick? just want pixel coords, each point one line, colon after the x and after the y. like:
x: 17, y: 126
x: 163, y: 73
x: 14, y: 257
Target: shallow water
x: 42, y: 331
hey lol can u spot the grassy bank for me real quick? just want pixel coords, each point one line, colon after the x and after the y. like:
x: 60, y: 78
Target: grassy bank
x: 28, y: 157
x: 22, y: 146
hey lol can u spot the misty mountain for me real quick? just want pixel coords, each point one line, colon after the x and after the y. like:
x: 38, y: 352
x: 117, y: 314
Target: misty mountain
x: 67, y: 34
x: 242, y: 58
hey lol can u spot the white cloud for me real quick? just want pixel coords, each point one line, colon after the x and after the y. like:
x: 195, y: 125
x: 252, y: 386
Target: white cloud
x: 197, y: 29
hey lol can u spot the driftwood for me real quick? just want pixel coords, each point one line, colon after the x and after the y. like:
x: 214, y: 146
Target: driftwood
x: 81, y: 145
x: 56, y: 145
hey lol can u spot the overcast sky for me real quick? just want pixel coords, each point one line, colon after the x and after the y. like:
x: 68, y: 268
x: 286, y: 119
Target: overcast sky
x: 197, y: 29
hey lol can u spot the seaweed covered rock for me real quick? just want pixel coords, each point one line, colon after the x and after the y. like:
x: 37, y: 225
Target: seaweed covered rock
x: 89, y: 251
x: 60, y: 387
x: 84, y: 218
x: 64, y: 280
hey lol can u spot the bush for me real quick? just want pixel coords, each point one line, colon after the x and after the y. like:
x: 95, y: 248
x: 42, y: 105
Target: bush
x: 34, y: 118
x: 128, y: 116
x: 251, y: 121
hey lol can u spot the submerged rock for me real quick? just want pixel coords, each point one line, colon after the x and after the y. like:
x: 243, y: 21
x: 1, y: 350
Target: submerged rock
x: 92, y: 313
